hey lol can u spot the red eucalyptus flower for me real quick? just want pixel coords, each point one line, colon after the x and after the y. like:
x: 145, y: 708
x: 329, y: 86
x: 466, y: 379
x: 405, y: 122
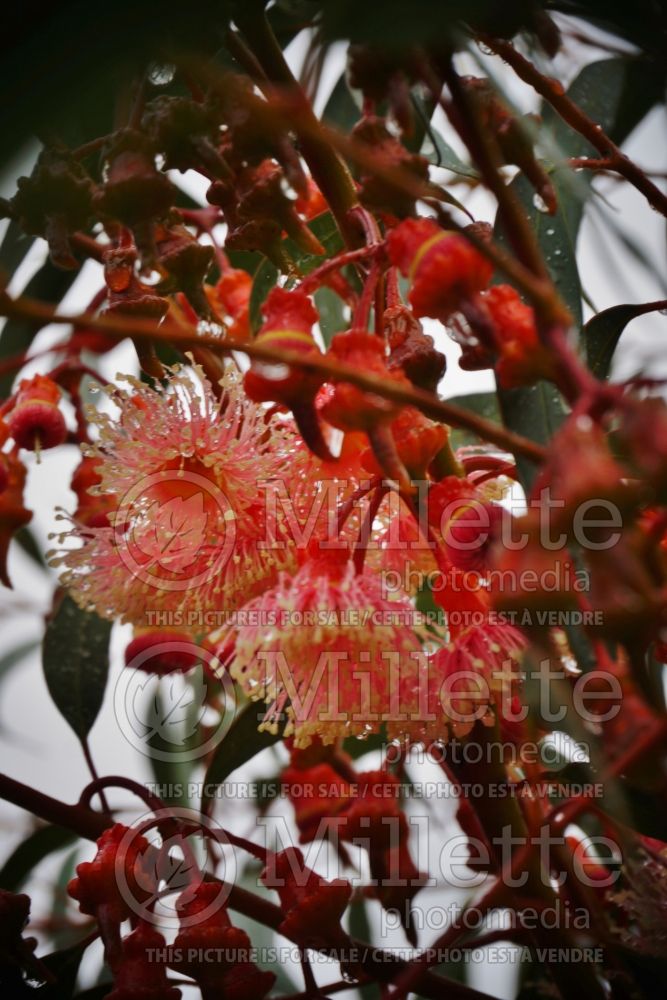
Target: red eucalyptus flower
x: 444, y: 268
x: 13, y: 514
x: 139, y: 974
x: 35, y: 422
x: 208, y: 931
x: 97, y: 882
x: 312, y: 906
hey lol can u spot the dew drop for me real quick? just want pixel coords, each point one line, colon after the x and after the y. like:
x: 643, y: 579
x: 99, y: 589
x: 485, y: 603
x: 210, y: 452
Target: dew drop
x: 160, y: 74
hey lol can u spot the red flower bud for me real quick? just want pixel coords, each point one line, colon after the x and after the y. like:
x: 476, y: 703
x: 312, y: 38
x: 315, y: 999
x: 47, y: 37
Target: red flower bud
x: 174, y: 652
x: 312, y: 906
x: 412, y: 350
x: 375, y: 815
x: 13, y: 515
x: 350, y: 408
x: 418, y: 440
x: 231, y: 298
x: 36, y: 422
x: 288, y: 320
x: 139, y: 974
x: 232, y: 975
x: 97, y: 882
x: 445, y: 268
x: 446, y: 497
x: 93, y: 509
x: 317, y: 793
x: 522, y: 359
x: 470, y: 532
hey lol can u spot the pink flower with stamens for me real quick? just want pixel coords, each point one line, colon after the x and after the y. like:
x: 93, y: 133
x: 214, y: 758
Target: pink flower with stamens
x: 475, y: 678
x: 328, y: 651
x: 188, y: 526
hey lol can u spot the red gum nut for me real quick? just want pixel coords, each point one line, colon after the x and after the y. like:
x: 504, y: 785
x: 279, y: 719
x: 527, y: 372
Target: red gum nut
x: 288, y: 310
x: 165, y: 660
x: 444, y: 267
x: 269, y: 381
x: 97, y: 884
x: 418, y: 440
x: 353, y: 409
x: 469, y: 534
x: 4, y: 473
x: 37, y: 424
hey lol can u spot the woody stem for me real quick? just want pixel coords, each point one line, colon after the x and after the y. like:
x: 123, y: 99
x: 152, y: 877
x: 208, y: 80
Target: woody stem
x: 613, y: 157
x: 184, y: 336
x: 328, y: 169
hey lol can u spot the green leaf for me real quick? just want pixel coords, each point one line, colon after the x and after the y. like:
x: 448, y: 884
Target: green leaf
x: 44, y: 841
x: 49, y: 284
x: 75, y: 658
x: 611, y: 93
x: 537, y: 412
x: 25, y: 538
x: 16, y: 655
x: 484, y: 404
x: 602, y: 333
x: 355, y: 746
x: 65, y: 966
x: 266, y: 276
x: 14, y: 248
x: 331, y: 309
x: 438, y: 151
x: 342, y: 111
x: 242, y: 742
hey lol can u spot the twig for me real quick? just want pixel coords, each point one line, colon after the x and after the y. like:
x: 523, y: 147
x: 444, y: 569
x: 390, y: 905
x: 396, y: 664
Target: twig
x: 184, y: 336
x: 553, y: 92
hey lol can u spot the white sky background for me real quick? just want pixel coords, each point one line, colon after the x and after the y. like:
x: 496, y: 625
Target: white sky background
x: 36, y: 745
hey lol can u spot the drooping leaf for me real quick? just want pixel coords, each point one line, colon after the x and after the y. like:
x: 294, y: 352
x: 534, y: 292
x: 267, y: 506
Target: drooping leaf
x: 484, y: 404
x: 265, y: 278
x: 49, y: 284
x: 75, y: 657
x: 16, y: 655
x: 65, y: 966
x: 28, y: 854
x: 441, y: 154
x: 172, y: 712
x: 325, y: 229
x: 14, y: 248
x: 341, y: 109
x: 610, y: 91
x: 241, y: 743
x: 602, y: 333
x: 25, y: 538
x: 331, y: 309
